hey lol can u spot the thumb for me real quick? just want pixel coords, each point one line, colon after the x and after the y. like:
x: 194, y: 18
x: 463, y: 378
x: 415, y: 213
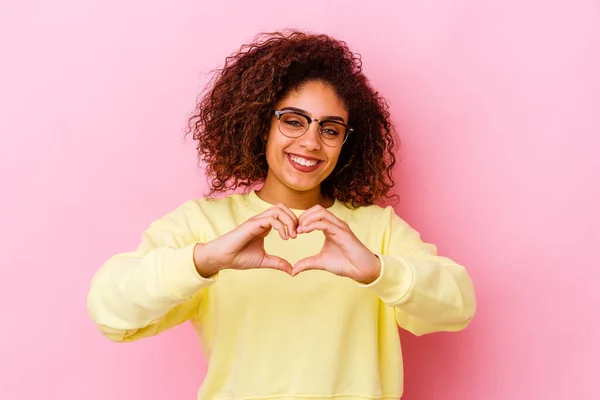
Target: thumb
x: 307, y: 264
x: 274, y: 262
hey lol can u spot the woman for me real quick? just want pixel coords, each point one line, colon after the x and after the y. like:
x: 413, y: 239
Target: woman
x: 296, y: 289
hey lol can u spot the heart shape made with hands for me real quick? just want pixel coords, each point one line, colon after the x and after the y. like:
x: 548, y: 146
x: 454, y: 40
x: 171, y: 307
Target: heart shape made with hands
x: 342, y: 253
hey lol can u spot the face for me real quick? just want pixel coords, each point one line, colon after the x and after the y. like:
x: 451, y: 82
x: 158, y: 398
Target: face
x: 302, y: 163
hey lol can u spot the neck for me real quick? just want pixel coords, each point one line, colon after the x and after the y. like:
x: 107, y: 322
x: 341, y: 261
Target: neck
x: 300, y: 200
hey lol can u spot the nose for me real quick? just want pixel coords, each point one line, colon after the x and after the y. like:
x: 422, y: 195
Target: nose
x: 311, y: 140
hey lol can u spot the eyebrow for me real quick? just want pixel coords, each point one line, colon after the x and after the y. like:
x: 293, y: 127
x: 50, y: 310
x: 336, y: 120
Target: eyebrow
x: 301, y: 111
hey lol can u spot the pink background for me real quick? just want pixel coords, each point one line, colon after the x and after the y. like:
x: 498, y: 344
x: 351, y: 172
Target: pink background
x: 497, y: 103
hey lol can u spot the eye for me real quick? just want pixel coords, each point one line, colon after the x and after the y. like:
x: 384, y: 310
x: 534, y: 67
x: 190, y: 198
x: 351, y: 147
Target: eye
x: 332, y: 129
x: 293, y: 121
x: 329, y: 132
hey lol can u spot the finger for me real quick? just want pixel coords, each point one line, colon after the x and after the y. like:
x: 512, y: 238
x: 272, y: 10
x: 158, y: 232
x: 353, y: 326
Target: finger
x: 309, y: 212
x: 266, y: 223
x: 306, y: 264
x: 277, y: 263
x: 288, y: 212
x: 285, y: 215
x: 330, y: 230
x: 290, y: 221
x: 319, y: 213
x: 320, y: 216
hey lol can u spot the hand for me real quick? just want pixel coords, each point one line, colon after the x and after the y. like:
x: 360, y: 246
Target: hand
x: 342, y: 253
x: 243, y: 247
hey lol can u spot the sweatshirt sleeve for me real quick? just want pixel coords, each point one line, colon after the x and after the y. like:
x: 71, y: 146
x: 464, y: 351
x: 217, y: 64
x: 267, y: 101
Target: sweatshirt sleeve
x: 156, y: 287
x: 429, y: 293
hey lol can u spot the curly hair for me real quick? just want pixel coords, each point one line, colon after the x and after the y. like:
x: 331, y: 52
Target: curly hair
x: 235, y: 111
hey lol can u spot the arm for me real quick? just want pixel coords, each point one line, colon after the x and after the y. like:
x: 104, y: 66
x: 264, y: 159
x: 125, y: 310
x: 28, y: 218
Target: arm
x: 157, y: 286
x: 429, y: 293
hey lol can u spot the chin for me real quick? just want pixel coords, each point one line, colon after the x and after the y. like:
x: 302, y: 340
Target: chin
x: 302, y: 183
x: 301, y: 186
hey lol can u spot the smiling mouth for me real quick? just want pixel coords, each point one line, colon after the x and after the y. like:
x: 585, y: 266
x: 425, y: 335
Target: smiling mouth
x: 304, y: 164
x: 304, y: 161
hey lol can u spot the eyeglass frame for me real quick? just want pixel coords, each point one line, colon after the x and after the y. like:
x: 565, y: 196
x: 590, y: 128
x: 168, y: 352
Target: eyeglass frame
x: 279, y: 113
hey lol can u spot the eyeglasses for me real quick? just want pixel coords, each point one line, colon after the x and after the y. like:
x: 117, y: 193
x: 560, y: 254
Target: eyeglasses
x: 294, y: 124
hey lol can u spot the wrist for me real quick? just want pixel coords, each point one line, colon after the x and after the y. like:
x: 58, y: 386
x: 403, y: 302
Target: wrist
x: 376, y: 272
x: 202, y: 261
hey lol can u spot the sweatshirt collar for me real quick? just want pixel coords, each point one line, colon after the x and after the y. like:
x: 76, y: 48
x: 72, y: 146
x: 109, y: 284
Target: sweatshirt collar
x: 252, y: 199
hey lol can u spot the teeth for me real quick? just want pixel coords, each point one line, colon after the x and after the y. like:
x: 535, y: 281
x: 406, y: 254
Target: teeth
x: 303, y: 161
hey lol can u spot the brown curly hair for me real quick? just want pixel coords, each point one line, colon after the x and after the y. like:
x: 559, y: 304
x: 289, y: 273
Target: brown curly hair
x: 235, y: 111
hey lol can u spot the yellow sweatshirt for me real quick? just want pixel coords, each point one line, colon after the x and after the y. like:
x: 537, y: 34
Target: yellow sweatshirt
x: 267, y: 335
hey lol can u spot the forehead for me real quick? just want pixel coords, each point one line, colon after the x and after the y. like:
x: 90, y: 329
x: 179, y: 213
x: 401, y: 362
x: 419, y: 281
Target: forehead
x: 318, y: 98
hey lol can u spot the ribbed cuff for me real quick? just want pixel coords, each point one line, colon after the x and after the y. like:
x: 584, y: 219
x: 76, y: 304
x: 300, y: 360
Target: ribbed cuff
x: 395, y: 280
x: 180, y: 274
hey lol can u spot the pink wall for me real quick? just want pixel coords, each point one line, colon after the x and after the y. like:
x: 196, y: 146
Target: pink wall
x: 498, y: 102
